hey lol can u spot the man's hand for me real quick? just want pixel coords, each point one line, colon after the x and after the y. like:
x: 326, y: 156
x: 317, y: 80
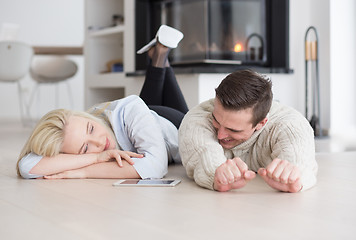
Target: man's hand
x: 232, y: 174
x: 118, y: 156
x: 282, y: 175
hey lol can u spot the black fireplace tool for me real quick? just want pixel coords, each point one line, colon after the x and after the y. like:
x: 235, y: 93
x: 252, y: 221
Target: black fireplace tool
x: 312, y: 81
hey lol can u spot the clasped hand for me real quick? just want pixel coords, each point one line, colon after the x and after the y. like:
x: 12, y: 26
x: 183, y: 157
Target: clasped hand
x: 279, y: 174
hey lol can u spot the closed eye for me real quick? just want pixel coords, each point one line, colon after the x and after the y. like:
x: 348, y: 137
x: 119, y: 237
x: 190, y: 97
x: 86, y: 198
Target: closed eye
x: 234, y: 131
x: 230, y: 129
x: 214, y: 119
x: 91, y: 129
x: 85, y: 148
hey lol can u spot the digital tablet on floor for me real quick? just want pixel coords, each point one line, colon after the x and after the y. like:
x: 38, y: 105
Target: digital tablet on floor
x: 146, y: 183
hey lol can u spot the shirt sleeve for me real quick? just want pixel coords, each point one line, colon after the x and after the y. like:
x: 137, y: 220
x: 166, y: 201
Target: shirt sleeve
x: 27, y: 163
x: 146, y: 137
x: 199, y: 149
x: 294, y: 141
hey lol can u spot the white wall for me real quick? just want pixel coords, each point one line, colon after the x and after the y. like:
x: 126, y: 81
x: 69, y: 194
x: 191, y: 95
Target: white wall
x: 290, y: 88
x: 343, y: 70
x: 44, y: 23
x: 335, y: 21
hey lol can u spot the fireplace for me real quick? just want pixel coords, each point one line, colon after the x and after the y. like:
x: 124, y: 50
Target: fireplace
x: 219, y: 34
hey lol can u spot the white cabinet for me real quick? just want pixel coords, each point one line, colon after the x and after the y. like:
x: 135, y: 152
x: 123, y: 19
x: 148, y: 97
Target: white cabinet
x: 106, y: 43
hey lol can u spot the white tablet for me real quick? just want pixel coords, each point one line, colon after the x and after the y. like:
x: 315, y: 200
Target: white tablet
x: 147, y: 182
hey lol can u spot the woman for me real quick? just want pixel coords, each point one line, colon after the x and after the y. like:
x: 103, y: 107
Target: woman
x: 140, y: 130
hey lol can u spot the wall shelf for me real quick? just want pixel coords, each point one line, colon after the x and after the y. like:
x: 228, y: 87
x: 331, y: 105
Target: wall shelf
x: 106, y: 32
x: 107, y: 80
x: 106, y: 46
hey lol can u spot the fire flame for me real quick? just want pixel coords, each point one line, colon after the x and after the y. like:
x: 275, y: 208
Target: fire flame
x: 238, y: 47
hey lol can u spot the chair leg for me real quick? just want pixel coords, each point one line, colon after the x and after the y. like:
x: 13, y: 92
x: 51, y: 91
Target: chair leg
x: 56, y: 99
x: 33, y: 94
x: 70, y: 96
x: 38, y: 101
x: 36, y: 91
x: 22, y: 115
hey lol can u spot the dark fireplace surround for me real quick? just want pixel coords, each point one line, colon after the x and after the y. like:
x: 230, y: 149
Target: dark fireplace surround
x: 227, y: 37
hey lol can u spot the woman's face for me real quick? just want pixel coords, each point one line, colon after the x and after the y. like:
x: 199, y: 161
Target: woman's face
x: 83, y: 135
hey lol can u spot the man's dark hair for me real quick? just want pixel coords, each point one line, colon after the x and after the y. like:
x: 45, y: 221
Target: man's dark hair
x: 246, y: 89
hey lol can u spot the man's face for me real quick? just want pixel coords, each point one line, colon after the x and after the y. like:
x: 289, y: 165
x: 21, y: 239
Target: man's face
x: 233, y: 127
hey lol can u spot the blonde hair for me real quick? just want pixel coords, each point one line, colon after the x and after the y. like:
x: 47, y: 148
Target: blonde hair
x: 47, y: 136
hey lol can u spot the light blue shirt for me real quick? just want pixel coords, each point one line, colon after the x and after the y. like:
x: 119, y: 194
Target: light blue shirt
x: 137, y: 129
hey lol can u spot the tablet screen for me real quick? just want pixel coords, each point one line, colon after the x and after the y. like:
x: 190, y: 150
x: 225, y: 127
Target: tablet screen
x: 147, y: 181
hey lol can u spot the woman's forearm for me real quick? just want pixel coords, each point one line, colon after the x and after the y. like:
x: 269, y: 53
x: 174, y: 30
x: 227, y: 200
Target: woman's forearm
x: 62, y: 163
x: 110, y: 170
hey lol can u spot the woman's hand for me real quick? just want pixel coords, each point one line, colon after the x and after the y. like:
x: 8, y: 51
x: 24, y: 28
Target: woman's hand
x: 118, y: 155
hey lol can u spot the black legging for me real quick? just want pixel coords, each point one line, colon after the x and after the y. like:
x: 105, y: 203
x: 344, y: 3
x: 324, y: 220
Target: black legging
x: 162, y: 94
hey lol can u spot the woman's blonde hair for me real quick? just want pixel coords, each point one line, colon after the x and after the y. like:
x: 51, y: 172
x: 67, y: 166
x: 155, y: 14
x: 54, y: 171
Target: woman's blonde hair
x: 47, y: 136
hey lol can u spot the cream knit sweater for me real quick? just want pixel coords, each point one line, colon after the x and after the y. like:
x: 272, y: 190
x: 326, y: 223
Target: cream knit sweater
x: 287, y: 135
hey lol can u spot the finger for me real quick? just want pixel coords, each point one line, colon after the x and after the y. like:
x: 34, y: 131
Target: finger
x: 240, y: 164
x: 229, y: 176
x: 280, y: 168
x: 272, y: 166
x: 239, y: 184
x: 219, y: 174
x: 234, y: 169
x: 221, y: 178
x: 118, y: 159
x: 272, y: 183
x: 294, y: 175
x: 126, y: 156
x: 130, y: 161
x: 262, y: 172
x: 286, y: 174
x: 225, y: 174
x: 278, y: 185
x: 134, y: 155
x: 249, y: 175
x: 237, y: 175
x: 137, y: 155
x: 295, y: 187
x: 220, y: 187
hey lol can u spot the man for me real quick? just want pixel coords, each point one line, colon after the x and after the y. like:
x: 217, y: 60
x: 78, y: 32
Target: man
x: 225, y: 141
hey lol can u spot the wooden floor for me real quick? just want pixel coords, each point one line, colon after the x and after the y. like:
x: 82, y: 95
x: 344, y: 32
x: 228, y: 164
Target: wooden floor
x: 93, y: 209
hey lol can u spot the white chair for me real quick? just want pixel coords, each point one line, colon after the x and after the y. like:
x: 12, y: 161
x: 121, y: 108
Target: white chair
x: 15, y: 60
x: 52, y: 70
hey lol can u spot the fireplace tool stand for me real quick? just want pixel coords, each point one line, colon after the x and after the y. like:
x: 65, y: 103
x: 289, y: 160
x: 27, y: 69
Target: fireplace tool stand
x: 312, y: 82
